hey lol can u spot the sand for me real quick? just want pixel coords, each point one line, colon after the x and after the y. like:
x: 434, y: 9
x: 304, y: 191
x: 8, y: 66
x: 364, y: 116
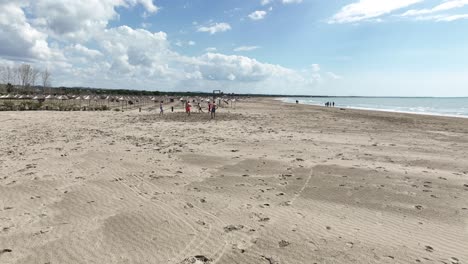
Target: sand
x: 267, y: 182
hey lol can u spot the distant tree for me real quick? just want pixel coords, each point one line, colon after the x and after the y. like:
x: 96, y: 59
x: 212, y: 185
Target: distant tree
x: 6, y: 74
x: 2, y: 74
x: 34, y: 74
x: 24, y: 74
x: 45, y: 76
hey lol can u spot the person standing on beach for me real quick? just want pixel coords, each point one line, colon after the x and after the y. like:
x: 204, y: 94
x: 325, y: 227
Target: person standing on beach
x: 161, y: 110
x: 213, y: 110
x: 187, y: 108
x: 209, y: 107
x: 200, y: 110
x: 333, y: 104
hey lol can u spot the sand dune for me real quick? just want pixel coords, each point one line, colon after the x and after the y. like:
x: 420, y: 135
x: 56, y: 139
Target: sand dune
x: 266, y: 182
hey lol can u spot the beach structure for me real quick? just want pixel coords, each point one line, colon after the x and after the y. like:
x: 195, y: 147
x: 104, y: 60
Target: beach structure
x: 74, y: 102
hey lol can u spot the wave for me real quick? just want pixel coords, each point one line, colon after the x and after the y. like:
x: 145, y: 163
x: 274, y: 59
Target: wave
x: 451, y: 107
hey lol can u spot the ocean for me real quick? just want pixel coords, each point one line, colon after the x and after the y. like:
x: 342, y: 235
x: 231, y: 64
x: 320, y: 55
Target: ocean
x: 445, y: 106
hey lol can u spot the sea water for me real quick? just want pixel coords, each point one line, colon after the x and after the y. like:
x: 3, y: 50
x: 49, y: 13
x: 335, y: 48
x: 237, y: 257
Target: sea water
x: 446, y: 106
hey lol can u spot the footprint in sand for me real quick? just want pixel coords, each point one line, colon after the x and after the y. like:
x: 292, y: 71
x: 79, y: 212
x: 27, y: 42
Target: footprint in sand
x: 271, y: 259
x: 6, y: 250
x: 231, y: 228
x: 283, y: 243
x: 199, y: 259
x: 429, y: 249
x: 200, y: 222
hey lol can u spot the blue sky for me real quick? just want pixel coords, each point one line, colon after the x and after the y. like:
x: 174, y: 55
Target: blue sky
x: 340, y: 47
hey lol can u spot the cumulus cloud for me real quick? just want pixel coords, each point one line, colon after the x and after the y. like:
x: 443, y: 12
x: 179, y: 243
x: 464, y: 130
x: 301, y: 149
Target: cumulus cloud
x: 215, y: 66
x: 87, y: 52
x: 257, y: 15
x: 18, y: 37
x: 79, y: 20
x: 135, y: 50
x: 214, y: 28
x: 369, y: 9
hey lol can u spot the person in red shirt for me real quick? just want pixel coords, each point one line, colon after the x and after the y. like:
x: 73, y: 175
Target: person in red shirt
x: 209, y: 107
x: 187, y: 108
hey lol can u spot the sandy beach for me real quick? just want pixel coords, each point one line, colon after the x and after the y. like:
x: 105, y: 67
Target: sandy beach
x: 266, y: 182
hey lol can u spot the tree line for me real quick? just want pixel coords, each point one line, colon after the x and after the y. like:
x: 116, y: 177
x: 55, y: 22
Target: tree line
x: 24, y: 78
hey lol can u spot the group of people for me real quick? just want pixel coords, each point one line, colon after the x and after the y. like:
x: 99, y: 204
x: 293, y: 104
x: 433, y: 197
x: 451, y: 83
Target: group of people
x: 188, y: 108
x: 330, y: 104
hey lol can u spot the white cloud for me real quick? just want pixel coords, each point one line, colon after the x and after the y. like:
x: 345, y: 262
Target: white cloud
x: 215, y: 28
x: 223, y: 67
x: 291, y: 1
x: 450, y: 18
x: 448, y: 5
x: 134, y: 47
x: 87, y: 52
x: 258, y: 15
x: 18, y: 38
x: 369, y: 9
x: 79, y: 20
x: 147, y: 4
x: 145, y: 25
x: 434, y: 13
x: 83, y: 51
x: 315, y: 67
x: 246, y: 48
x: 211, y: 49
x: 285, y: 2
x: 334, y: 76
x: 442, y: 18
x: 180, y: 43
x: 74, y: 19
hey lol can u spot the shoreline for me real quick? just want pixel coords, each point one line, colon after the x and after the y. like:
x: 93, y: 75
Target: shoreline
x: 429, y: 114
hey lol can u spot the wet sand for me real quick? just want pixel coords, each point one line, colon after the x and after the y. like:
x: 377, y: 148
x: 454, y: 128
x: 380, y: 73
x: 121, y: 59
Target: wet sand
x: 267, y: 182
